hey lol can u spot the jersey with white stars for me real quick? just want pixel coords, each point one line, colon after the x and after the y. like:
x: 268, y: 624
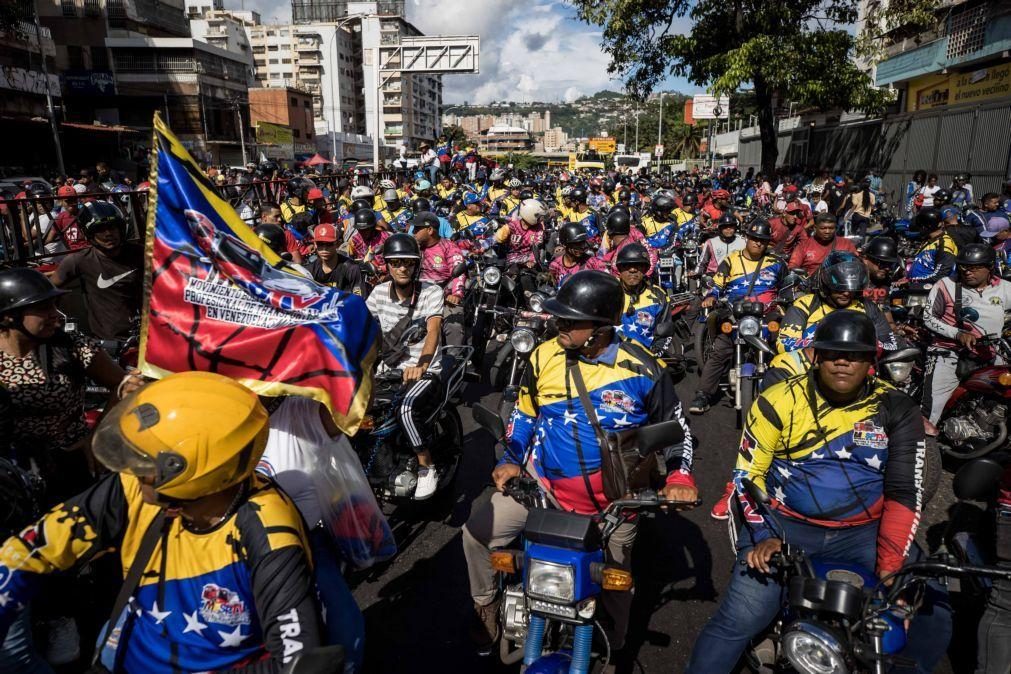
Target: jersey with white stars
x: 238, y: 594
x: 642, y: 313
x: 627, y: 388
x: 837, y: 466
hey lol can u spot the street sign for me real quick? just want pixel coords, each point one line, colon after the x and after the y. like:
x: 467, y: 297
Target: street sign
x: 443, y: 54
x: 603, y: 145
x: 658, y: 150
x: 705, y: 106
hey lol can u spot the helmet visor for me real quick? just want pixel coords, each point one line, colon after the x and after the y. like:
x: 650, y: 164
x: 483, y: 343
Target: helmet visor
x: 111, y: 445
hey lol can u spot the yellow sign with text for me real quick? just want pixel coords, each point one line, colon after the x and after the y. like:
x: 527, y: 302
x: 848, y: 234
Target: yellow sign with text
x: 935, y: 91
x: 273, y: 134
x: 604, y: 145
x: 572, y: 161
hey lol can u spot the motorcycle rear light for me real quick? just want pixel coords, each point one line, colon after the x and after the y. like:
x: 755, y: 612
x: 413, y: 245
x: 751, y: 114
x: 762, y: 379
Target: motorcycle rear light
x: 1004, y: 379
x: 616, y: 579
x: 504, y: 561
x: 727, y: 328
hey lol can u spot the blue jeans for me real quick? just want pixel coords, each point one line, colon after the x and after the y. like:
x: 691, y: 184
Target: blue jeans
x: 18, y: 654
x: 345, y: 624
x: 753, y: 600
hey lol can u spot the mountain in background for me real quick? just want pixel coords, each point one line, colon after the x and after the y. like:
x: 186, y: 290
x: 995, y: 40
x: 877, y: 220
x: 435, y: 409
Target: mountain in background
x: 585, y: 116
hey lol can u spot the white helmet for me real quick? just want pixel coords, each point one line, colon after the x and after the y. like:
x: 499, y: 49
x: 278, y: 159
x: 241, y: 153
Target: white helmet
x: 80, y: 188
x: 391, y: 195
x: 531, y: 210
x: 498, y: 174
x: 387, y: 184
x: 515, y: 183
x: 362, y: 192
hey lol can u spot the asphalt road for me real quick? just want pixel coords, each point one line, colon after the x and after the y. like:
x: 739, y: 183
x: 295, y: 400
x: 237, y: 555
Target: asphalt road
x: 417, y: 605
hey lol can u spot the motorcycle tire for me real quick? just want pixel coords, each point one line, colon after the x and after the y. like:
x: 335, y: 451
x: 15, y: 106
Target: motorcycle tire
x: 703, y: 345
x: 749, y: 387
x: 498, y: 374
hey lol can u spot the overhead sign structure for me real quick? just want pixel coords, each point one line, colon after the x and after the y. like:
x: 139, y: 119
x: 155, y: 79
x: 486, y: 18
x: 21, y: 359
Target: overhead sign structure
x: 444, y: 54
x: 705, y: 106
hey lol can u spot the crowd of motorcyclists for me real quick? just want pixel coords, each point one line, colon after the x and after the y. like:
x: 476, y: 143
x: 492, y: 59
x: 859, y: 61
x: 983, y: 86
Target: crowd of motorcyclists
x: 857, y: 348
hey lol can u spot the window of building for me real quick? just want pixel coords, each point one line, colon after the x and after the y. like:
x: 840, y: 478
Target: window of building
x: 75, y: 58
x: 92, y: 8
x: 271, y: 33
x: 296, y: 133
x: 272, y: 47
x: 294, y: 102
x: 308, y: 135
x: 69, y: 8
x: 99, y: 58
x: 285, y: 60
x: 307, y: 104
x: 272, y: 61
x: 967, y: 30
x: 275, y: 76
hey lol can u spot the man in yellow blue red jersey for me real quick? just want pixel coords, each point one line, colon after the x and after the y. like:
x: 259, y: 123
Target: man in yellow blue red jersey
x: 218, y: 559
x: 841, y: 454
x: 552, y: 437
x: 841, y: 282
x: 936, y: 257
x: 646, y: 305
x: 749, y: 274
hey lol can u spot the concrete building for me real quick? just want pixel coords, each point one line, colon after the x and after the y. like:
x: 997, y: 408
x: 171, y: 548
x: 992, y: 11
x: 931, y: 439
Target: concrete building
x: 221, y: 28
x: 283, y: 122
x: 964, y: 62
x: 555, y: 139
x: 500, y: 139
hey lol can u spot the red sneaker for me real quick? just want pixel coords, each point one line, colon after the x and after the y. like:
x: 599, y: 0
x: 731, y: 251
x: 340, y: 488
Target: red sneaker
x: 721, y: 511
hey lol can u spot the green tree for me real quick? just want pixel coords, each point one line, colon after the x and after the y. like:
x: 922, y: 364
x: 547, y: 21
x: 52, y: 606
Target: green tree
x: 454, y: 134
x: 796, y: 50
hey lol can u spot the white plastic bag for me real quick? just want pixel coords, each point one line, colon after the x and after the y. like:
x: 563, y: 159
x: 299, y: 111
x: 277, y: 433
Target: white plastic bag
x: 324, y: 478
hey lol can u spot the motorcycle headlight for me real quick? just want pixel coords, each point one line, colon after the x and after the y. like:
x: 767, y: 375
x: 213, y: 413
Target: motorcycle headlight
x: 551, y: 582
x: 749, y: 326
x: 690, y: 245
x: 899, y: 372
x: 522, y: 340
x: 916, y: 300
x: 813, y: 650
x: 536, y: 302
x: 492, y: 275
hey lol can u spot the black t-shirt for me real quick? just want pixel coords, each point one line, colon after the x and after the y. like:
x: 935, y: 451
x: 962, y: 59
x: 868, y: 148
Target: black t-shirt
x: 346, y: 276
x: 113, y: 287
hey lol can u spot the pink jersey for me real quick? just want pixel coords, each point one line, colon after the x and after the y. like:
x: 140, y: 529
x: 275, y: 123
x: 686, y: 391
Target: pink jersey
x: 437, y: 263
x: 521, y: 241
x: 367, y: 246
x: 608, y: 253
x: 560, y: 271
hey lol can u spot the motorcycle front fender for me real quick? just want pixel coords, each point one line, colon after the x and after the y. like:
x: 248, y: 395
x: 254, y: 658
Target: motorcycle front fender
x: 758, y: 344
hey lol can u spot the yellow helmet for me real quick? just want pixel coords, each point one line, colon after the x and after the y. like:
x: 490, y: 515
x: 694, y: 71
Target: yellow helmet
x: 195, y: 433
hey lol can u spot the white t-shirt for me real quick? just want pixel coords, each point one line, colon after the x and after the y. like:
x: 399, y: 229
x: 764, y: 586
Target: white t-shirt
x: 389, y: 310
x: 928, y: 194
x: 429, y: 158
x: 821, y: 206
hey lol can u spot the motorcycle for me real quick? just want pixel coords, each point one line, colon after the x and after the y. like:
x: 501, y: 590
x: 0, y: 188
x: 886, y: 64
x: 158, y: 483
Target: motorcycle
x: 974, y: 420
x: 529, y: 329
x: 385, y: 452
x: 548, y: 610
x: 838, y: 616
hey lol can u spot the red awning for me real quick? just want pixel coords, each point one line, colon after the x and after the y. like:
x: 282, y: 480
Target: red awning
x: 317, y: 160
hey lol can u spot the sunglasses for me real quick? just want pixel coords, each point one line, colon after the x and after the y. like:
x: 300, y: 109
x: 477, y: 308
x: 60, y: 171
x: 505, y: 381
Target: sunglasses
x: 402, y: 262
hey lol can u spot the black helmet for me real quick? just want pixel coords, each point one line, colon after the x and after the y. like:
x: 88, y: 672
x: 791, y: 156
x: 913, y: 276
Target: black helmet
x: 24, y: 287
x: 976, y: 254
x: 421, y: 205
x: 618, y: 222
x: 578, y: 195
x: 272, y: 235
x: 297, y: 187
x: 741, y: 201
x: 95, y: 215
x: 882, y: 249
x: 663, y: 204
x: 928, y: 220
x: 759, y: 229
x: 21, y: 494
x: 843, y: 272
x: 359, y: 204
x: 624, y: 195
x: 365, y: 218
x: 845, y: 330
x: 526, y: 194
x: 689, y: 200
x: 726, y: 220
x: 941, y: 198
x: 401, y: 246
x: 633, y: 253
x: 425, y: 219
x: 572, y: 232
x: 588, y: 295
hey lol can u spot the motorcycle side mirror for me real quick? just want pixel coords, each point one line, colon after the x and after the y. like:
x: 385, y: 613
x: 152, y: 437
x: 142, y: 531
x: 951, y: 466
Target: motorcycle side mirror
x: 664, y: 329
x: 900, y: 355
x: 655, y: 437
x: 489, y: 420
x: 756, y: 493
x: 458, y: 270
x: 323, y: 660
x: 977, y: 480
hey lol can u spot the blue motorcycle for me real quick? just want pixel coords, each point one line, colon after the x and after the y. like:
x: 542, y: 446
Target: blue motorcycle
x: 549, y: 608
x: 839, y: 617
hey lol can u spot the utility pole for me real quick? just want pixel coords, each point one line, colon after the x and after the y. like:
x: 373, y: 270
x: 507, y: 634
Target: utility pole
x: 242, y: 131
x: 636, y: 128
x: 659, y: 131
x: 379, y: 109
x: 49, y: 95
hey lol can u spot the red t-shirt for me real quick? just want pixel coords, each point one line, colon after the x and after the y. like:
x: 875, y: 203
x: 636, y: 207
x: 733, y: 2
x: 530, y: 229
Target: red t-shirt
x: 810, y: 253
x: 71, y: 232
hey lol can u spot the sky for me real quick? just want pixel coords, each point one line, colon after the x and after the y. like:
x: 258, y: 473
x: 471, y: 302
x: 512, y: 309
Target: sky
x: 531, y: 50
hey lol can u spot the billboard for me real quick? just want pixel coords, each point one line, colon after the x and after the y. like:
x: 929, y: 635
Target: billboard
x: 603, y: 145
x: 705, y: 106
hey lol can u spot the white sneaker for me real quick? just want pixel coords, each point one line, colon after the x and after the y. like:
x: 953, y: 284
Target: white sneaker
x: 64, y: 644
x: 428, y: 480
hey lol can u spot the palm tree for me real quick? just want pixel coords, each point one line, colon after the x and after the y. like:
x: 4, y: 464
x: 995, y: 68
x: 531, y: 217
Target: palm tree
x: 687, y: 138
